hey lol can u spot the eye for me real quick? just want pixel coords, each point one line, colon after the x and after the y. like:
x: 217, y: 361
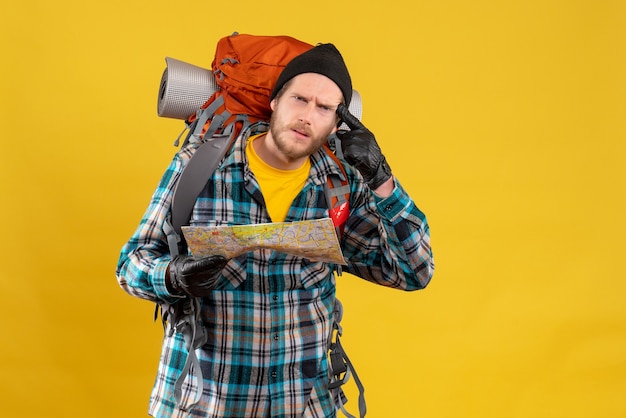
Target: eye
x: 326, y: 109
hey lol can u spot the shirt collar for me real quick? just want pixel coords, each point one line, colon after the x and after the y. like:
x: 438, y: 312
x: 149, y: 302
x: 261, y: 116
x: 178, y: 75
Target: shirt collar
x: 322, y: 165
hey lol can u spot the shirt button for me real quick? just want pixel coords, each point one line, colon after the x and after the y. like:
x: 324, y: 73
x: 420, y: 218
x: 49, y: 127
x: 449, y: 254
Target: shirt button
x: 275, y: 297
x: 388, y: 208
x: 276, y: 337
x: 274, y: 375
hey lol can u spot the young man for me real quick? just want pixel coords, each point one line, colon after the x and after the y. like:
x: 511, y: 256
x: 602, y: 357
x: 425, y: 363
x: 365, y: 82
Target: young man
x: 268, y: 315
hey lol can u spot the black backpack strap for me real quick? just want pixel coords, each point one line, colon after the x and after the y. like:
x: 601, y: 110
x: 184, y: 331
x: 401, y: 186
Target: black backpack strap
x: 192, y: 180
x: 341, y: 368
x: 195, y: 335
x: 184, y: 316
x: 195, y: 176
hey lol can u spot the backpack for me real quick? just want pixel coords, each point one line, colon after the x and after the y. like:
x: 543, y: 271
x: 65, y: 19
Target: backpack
x: 245, y: 69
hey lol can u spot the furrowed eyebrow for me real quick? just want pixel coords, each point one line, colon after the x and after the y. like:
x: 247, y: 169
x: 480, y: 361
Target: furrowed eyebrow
x: 332, y: 107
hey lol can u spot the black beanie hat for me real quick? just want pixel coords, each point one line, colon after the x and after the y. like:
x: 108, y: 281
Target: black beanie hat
x: 322, y: 59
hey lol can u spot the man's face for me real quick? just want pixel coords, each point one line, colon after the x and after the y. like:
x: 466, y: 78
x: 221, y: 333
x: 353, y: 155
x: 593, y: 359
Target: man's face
x: 304, y: 115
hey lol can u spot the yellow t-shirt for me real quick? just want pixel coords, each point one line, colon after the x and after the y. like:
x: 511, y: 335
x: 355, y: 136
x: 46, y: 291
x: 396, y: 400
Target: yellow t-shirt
x: 279, y: 187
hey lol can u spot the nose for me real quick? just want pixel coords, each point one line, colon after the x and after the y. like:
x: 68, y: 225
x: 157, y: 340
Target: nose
x: 306, y: 112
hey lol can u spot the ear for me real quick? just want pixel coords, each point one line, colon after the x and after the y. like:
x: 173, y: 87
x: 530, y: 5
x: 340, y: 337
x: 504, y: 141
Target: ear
x: 273, y: 104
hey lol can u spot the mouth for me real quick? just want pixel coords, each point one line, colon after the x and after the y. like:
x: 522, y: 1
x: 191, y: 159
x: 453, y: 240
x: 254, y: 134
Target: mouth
x: 301, y: 133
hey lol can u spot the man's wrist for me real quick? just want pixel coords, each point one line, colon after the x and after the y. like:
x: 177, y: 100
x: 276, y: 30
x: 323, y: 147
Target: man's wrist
x: 171, y: 284
x: 385, y: 189
x: 381, y: 175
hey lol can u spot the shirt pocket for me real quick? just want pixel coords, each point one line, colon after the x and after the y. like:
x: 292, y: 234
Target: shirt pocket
x: 314, y: 274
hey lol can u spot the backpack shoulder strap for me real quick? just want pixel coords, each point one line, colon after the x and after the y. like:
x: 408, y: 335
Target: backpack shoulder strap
x: 341, y: 368
x: 195, y: 176
x: 192, y: 180
x: 338, y: 195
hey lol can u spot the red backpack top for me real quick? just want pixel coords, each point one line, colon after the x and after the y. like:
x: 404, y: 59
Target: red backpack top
x: 246, y: 68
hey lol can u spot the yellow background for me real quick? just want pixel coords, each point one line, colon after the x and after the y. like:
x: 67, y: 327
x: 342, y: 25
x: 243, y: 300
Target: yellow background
x: 503, y: 119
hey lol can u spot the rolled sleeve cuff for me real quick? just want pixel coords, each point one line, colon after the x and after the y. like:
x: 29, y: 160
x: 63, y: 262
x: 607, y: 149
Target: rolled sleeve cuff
x: 158, y: 282
x: 395, y: 205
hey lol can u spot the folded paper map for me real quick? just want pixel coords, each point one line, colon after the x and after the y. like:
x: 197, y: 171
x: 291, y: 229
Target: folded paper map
x: 315, y: 239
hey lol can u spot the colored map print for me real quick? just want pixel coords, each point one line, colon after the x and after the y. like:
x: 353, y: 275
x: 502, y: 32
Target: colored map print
x: 315, y: 240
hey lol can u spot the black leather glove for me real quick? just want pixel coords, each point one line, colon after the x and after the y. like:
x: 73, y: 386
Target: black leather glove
x: 360, y: 150
x: 195, y: 277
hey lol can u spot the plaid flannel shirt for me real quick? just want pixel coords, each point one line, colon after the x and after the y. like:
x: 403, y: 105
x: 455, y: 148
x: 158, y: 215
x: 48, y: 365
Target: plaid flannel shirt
x: 270, y: 317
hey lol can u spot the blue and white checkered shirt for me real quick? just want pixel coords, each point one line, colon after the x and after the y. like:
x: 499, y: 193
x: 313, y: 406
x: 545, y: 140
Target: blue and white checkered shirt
x: 269, y: 319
